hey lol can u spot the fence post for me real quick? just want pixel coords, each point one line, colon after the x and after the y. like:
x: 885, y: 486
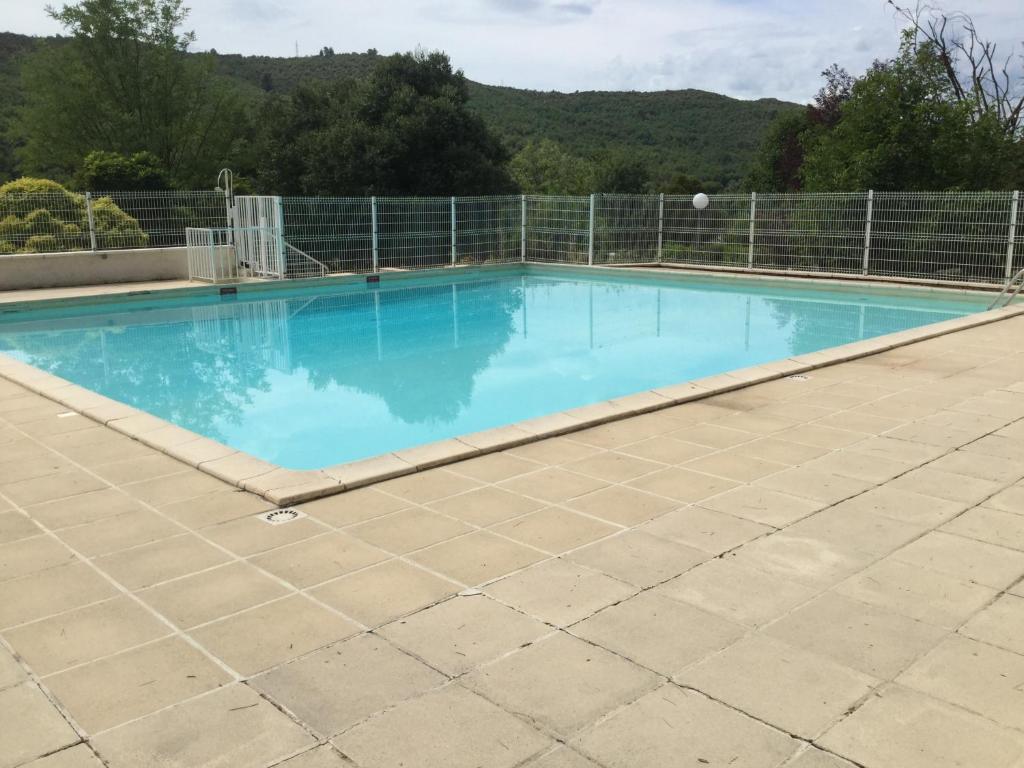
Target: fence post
x: 282, y: 257
x: 373, y: 219
x: 590, y: 247
x: 867, y: 232
x: 92, y: 220
x: 661, y: 222
x: 1013, y: 234
x: 453, y: 232
x: 522, y: 241
x: 750, y: 237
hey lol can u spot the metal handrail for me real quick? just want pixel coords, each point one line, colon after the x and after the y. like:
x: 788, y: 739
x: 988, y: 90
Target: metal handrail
x: 1019, y: 280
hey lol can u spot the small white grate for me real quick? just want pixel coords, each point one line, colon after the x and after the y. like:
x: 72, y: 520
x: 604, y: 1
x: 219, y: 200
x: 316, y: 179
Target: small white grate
x: 798, y: 377
x: 281, y: 516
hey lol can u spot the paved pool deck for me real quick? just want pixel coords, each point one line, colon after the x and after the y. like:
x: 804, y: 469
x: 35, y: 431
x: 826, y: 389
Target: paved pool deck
x: 816, y: 572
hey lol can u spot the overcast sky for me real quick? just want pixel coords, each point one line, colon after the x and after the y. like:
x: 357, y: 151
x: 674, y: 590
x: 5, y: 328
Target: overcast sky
x: 744, y: 48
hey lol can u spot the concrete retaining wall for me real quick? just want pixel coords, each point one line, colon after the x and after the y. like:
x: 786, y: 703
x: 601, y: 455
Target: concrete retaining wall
x: 58, y: 270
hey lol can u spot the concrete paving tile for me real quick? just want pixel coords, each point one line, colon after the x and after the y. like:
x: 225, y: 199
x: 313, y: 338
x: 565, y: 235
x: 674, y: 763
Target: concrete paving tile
x: 792, y: 689
x: 216, y: 507
x: 799, y: 558
x: 559, y: 592
x: 163, y: 491
x: 32, y: 726
x: 561, y: 683
x: 84, y: 508
x: 900, y: 450
x: 906, y: 506
x: 614, y: 467
x: 619, y: 433
x: 33, y: 466
x: 230, y: 727
x: 462, y: 633
x: 973, y: 675
x: 112, y: 534
x: 863, y: 637
x: 714, y: 436
x: 555, y: 530
x: 384, y: 592
x: 562, y: 757
x: 682, y: 484
x: 14, y: 526
x: 320, y: 757
x: 1008, y: 500
x: 666, y: 450
x: 212, y: 594
x: 860, y: 466
x: 51, y: 591
x: 136, y: 469
x: 11, y: 670
x: 816, y: 758
x: 990, y: 525
x: 659, y: 633
x: 735, y: 466
x: 671, y: 726
x: 946, y: 485
x: 762, y: 505
x: 553, y: 484
x: 553, y: 451
x: 740, y: 593
x: 78, y: 756
x: 58, y: 485
x: 638, y: 558
x: 997, y: 445
x: 159, y: 561
x: 21, y: 558
x: 780, y: 451
x: 245, y: 536
x: 704, y: 529
x: 353, y: 507
x: 113, y: 690
x: 84, y: 634
x: 899, y: 728
x: 965, y: 559
x: 337, y: 687
x: 917, y: 592
x: 319, y: 559
x: 809, y: 484
x: 431, y: 485
x: 861, y: 531
x: 494, y: 467
x: 273, y: 633
x: 449, y: 728
x: 477, y: 558
x: 820, y: 436
x: 622, y: 505
x: 1000, y: 624
x: 409, y: 530
x: 486, y: 506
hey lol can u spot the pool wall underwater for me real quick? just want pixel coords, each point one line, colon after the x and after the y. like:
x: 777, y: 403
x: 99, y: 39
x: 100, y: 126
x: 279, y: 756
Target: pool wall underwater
x: 483, y: 367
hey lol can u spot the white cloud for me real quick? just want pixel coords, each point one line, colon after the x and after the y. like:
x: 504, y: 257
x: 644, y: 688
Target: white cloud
x: 745, y: 48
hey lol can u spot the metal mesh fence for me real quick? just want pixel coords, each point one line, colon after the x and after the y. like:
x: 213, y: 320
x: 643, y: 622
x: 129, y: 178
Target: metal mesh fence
x: 336, y: 231
x: 626, y: 228
x: 558, y: 229
x: 488, y: 229
x: 719, y: 235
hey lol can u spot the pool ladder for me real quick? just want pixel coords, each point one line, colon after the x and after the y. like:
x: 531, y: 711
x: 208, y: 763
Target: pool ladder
x: 1009, y: 293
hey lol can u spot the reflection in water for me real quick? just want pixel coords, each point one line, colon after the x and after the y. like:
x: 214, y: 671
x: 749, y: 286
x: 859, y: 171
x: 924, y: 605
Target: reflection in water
x: 316, y: 379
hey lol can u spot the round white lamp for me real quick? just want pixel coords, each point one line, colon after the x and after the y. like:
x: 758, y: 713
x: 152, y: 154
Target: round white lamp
x: 700, y: 201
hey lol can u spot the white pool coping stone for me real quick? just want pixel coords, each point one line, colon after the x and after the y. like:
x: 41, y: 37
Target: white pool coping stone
x: 284, y: 486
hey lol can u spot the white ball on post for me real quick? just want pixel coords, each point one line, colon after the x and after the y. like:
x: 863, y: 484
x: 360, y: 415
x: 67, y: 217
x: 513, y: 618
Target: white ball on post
x: 700, y: 201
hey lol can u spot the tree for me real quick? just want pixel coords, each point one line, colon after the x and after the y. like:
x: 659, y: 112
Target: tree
x: 125, y: 83
x: 619, y: 172
x: 404, y: 130
x: 41, y: 215
x: 545, y: 168
x: 113, y: 171
x: 904, y: 128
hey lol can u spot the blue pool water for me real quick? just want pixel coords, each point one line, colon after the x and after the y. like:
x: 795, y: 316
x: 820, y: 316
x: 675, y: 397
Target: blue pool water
x: 315, y: 377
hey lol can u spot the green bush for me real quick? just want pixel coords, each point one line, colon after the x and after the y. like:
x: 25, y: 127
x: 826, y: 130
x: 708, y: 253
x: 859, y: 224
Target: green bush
x: 38, y: 215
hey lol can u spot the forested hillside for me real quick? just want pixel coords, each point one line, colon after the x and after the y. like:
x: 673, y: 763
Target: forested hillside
x: 700, y: 134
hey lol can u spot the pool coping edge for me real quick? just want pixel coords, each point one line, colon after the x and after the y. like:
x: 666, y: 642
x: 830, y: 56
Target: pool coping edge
x: 283, y: 486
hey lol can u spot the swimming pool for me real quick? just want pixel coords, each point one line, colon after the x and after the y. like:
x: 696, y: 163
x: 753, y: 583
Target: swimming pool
x: 320, y: 375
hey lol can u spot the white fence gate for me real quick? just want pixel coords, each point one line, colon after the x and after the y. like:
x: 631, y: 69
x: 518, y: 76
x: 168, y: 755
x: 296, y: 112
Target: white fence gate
x: 259, y: 235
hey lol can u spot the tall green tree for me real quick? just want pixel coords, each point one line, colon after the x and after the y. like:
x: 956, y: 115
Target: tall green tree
x: 545, y: 168
x: 405, y: 130
x: 125, y: 83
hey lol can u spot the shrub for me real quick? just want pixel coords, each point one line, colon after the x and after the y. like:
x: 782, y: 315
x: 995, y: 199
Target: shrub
x: 38, y: 215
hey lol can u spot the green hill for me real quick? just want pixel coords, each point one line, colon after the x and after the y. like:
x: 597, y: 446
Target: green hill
x: 703, y: 134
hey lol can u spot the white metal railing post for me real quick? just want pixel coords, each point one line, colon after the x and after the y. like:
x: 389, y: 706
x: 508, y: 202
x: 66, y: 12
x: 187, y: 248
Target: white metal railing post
x: 867, y: 233
x: 750, y: 236
x: 522, y: 242
x: 1015, y: 202
x: 661, y: 223
x: 282, y: 257
x: 453, y: 232
x: 91, y: 219
x: 373, y: 220
x: 590, y: 247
